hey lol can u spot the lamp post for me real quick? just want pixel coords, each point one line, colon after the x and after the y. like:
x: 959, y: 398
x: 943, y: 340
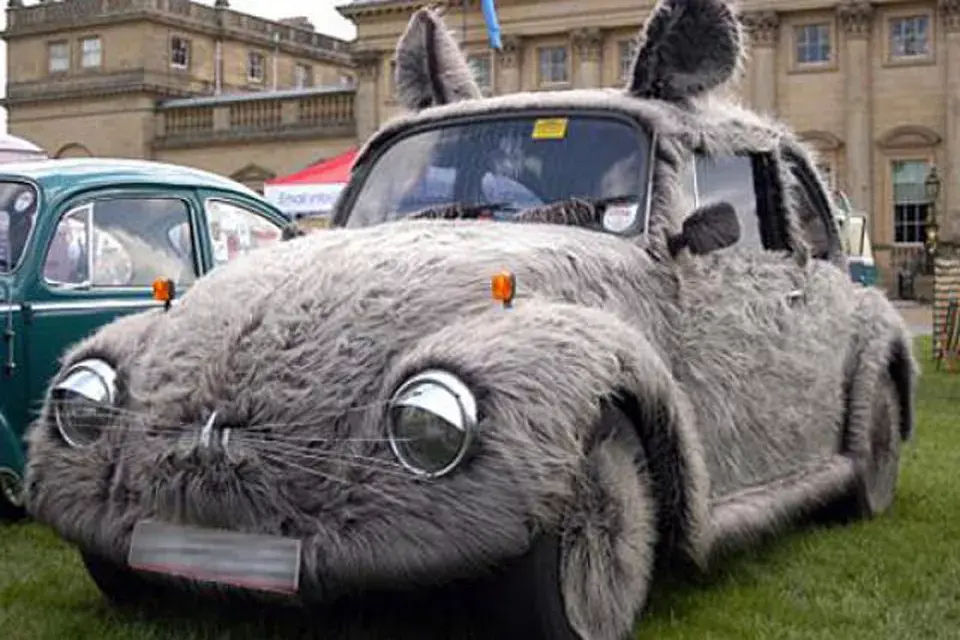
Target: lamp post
x: 932, y: 187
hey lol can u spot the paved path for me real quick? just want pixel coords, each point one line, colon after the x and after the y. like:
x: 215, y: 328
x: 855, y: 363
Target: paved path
x: 919, y: 317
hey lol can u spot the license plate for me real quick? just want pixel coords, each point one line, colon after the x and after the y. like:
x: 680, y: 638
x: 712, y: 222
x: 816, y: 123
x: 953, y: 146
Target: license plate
x: 248, y: 561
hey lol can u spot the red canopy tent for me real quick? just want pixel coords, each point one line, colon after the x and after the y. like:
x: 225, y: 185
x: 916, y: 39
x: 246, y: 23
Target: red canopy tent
x: 314, y: 190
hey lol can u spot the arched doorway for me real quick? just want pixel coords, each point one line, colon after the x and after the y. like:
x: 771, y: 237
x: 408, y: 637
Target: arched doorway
x: 73, y: 150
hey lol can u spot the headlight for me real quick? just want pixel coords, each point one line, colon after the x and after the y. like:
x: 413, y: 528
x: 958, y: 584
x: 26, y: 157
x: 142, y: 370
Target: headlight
x: 82, y: 401
x: 432, y: 422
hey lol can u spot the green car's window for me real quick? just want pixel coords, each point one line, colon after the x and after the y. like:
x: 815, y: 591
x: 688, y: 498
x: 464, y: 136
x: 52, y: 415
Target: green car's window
x: 508, y: 164
x: 235, y: 231
x: 122, y: 242
x: 18, y: 209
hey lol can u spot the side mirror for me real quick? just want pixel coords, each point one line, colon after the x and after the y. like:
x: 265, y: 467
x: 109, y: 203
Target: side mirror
x: 709, y: 228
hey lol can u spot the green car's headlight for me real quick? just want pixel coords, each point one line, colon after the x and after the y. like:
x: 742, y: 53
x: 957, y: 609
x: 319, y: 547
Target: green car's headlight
x: 82, y: 401
x: 432, y: 423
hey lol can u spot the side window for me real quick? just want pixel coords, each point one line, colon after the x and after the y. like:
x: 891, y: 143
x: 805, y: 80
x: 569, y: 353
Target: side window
x: 122, y: 242
x: 730, y: 179
x: 814, y: 213
x: 235, y: 231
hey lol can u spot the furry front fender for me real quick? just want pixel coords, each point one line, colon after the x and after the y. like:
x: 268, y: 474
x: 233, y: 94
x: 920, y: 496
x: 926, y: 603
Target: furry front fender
x: 542, y: 372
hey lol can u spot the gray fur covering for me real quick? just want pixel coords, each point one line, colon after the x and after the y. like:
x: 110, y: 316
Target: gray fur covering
x: 687, y: 48
x: 430, y: 68
x: 748, y: 378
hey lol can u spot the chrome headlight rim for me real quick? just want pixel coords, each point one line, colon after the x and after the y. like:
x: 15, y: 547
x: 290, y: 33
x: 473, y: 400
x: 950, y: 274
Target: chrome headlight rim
x: 104, y: 373
x: 467, y: 418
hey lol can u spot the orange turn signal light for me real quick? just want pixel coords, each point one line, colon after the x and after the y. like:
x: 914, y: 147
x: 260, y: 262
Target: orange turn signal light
x: 503, y: 287
x: 163, y: 290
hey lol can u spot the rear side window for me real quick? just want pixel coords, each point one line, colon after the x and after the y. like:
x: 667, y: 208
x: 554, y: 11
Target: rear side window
x: 122, y: 242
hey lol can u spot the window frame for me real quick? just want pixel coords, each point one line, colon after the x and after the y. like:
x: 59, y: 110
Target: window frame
x: 50, y: 57
x: 487, y: 59
x: 88, y: 286
x: 891, y: 197
x: 225, y: 199
x: 258, y: 55
x: 542, y: 80
x: 803, y: 28
x: 626, y: 53
x: 307, y: 75
x: 891, y: 58
x: 83, y: 53
x: 188, y: 47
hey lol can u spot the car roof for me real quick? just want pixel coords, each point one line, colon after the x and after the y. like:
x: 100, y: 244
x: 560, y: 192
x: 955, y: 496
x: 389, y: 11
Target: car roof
x: 63, y: 176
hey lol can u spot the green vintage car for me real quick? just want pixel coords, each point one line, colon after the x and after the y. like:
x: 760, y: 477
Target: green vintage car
x: 82, y: 241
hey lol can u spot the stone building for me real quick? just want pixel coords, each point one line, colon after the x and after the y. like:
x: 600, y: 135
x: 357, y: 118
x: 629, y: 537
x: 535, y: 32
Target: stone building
x: 177, y: 81
x: 873, y: 86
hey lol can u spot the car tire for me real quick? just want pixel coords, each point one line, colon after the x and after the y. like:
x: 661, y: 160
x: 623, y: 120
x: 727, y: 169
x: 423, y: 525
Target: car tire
x: 876, y: 458
x: 557, y: 589
x: 879, y: 463
x: 11, y: 496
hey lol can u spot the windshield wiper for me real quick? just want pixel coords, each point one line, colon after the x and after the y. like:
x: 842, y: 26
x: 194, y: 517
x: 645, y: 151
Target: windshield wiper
x: 456, y: 211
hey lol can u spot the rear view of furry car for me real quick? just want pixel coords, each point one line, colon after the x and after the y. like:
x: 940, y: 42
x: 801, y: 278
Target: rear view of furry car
x: 663, y: 370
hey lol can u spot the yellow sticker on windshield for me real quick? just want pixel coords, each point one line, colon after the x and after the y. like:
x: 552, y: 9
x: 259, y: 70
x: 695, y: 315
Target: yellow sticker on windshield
x: 550, y: 129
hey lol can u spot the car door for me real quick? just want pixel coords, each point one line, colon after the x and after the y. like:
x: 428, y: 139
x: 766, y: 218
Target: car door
x: 99, y: 262
x: 234, y: 226
x: 754, y: 391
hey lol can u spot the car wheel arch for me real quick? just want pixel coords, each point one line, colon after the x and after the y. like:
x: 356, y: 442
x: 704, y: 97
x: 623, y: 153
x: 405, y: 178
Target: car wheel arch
x: 903, y: 373
x: 674, y: 466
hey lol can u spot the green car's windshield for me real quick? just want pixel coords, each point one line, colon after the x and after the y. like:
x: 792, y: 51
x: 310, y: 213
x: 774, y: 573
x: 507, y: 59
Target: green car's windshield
x: 509, y: 164
x: 18, y: 211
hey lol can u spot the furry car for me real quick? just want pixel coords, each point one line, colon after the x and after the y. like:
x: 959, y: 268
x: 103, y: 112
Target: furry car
x: 657, y: 357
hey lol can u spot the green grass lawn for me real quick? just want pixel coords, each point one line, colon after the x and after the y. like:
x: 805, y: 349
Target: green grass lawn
x: 894, y: 578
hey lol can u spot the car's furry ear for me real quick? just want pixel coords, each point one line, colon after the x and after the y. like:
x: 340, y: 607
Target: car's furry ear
x: 686, y: 48
x: 431, y: 70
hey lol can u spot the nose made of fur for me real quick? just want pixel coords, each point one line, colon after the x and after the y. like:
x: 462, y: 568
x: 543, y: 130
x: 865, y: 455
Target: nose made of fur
x: 213, y: 438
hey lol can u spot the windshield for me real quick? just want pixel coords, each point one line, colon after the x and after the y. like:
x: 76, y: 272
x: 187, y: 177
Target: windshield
x: 509, y: 165
x: 18, y: 210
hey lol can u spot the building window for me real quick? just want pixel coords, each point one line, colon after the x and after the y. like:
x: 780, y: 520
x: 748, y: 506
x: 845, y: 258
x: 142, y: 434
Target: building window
x: 910, y: 37
x: 482, y: 72
x: 59, y: 57
x: 553, y: 65
x: 813, y: 43
x: 826, y: 173
x: 909, y: 200
x: 256, y: 67
x: 345, y: 80
x: 179, y: 52
x: 302, y: 76
x: 91, y: 53
x: 628, y: 49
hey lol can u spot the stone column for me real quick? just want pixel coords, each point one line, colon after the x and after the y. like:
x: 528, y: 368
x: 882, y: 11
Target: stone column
x: 366, y: 100
x: 588, y: 43
x: 856, y: 20
x: 762, y: 27
x: 949, y: 216
x: 508, y: 65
